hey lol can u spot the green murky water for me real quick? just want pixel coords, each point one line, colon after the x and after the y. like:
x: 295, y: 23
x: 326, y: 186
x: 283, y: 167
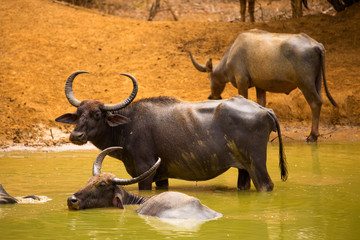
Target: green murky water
x: 320, y: 200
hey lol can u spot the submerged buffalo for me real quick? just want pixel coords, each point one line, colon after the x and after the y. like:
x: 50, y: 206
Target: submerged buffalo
x: 104, y: 190
x: 195, y: 140
x: 275, y: 63
x: 5, y: 198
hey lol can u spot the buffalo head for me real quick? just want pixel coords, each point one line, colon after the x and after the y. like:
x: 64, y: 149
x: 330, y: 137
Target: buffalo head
x: 93, y: 117
x: 104, y: 189
x: 216, y: 84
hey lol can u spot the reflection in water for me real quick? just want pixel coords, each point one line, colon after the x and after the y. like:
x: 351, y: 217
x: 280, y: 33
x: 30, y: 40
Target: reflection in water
x: 315, y: 158
x: 318, y: 201
x: 164, y: 225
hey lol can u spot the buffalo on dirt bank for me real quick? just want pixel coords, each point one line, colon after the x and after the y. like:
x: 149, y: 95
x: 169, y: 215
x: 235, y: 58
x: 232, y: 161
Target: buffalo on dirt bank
x: 272, y: 62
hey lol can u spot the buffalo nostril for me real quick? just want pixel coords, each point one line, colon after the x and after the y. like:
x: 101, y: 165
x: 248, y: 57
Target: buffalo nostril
x: 78, y: 137
x: 72, y: 200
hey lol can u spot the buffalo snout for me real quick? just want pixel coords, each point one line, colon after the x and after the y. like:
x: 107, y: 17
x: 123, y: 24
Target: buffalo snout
x: 73, y: 203
x: 78, y: 138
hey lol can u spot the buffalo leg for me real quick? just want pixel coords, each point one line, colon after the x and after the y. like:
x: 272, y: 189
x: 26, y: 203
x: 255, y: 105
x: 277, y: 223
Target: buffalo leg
x: 261, y: 178
x: 315, y: 102
x: 243, y: 180
x: 261, y: 97
x: 315, y: 109
x: 242, y: 9
x: 256, y: 165
x: 251, y: 10
x: 163, y: 184
x: 242, y: 84
x: 146, y: 184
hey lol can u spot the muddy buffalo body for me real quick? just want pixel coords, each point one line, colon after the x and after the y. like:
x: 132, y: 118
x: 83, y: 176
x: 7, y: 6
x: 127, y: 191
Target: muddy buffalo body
x: 195, y: 140
x: 105, y: 190
x: 272, y: 62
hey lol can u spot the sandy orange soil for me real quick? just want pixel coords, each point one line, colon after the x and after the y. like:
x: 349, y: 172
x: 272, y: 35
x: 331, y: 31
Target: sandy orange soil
x: 43, y: 42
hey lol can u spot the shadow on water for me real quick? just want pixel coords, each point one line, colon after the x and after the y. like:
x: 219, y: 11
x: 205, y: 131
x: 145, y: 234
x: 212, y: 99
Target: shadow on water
x: 318, y: 201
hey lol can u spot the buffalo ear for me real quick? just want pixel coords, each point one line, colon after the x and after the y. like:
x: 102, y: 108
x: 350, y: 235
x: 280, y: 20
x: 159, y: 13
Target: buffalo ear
x: 117, y: 202
x: 69, y: 118
x: 115, y: 119
x: 209, y: 66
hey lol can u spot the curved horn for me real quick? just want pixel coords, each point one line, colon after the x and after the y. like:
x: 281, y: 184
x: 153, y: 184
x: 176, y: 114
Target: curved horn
x: 140, y: 178
x: 199, y: 67
x: 118, y: 181
x: 100, y: 158
x: 68, y: 89
x: 127, y: 101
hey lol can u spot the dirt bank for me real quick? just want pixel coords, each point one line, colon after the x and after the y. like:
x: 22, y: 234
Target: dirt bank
x: 42, y: 42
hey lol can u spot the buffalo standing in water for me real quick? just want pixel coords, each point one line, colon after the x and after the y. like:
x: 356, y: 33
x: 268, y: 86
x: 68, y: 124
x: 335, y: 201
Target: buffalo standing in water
x: 272, y: 62
x: 195, y: 140
x: 104, y: 190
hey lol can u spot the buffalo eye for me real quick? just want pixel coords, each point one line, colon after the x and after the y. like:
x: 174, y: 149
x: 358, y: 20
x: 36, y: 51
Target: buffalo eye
x: 102, y: 184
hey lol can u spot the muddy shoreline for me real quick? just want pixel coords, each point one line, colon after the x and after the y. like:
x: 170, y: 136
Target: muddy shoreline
x: 290, y: 134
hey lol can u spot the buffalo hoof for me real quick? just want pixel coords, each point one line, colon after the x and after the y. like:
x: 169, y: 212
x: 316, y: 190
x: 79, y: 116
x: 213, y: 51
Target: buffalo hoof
x: 162, y: 185
x: 243, y: 180
x: 243, y: 188
x: 311, y: 138
x: 266, y: 188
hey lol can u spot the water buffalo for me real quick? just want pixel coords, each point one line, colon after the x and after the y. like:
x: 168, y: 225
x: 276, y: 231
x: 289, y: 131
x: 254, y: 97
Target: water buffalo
x: 195, y: 140
x: 275, y: 63
x: 104, y: 190
x: 5, y: 198
x: 251, y: 4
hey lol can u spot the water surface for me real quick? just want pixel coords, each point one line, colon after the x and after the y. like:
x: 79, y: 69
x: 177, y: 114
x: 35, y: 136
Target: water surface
x: 320, y: 199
